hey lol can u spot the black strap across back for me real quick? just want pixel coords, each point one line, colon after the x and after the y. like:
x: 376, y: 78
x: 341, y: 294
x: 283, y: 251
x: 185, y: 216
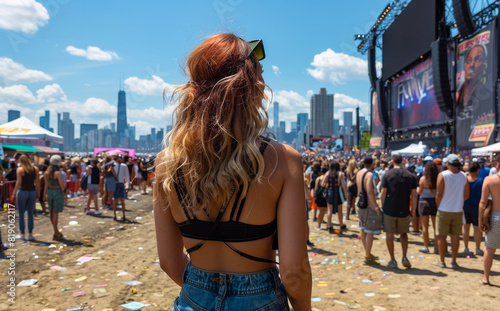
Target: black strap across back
x: 228, y: 231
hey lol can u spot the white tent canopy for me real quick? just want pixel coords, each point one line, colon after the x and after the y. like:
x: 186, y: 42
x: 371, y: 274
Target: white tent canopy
x: 413, y: 149
x: 486, y: 150
x: 23, y: 128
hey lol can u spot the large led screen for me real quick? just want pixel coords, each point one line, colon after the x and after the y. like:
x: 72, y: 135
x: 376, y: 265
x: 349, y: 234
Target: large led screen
x: 475, y: 98
x: 377, y: 135
x: 413, y: 101
x: 409, y: 36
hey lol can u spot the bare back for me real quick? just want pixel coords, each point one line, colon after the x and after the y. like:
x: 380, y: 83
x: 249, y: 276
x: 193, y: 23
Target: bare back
x: 491, y: 186
x: 271, y: 199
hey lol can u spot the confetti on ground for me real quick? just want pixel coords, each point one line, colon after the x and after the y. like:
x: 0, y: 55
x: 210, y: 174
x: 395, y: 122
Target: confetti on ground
x: 99, y: 290
x: 370, y: 294
x: 78, y: 294
x: 133, y: 283
x: 435, y: 287
x: 316, y: 299
x: 65, y: 289
x: 367, y: 281
x: 339, y: 302
x: 329, y: 294
x: 134, y: 305
x: 81, y: 279
x: 394, y: 296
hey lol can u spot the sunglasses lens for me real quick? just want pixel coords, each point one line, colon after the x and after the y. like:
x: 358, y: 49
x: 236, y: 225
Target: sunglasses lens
x: 257, y: 48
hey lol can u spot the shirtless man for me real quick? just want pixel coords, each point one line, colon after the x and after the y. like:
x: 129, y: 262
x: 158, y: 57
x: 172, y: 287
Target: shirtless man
x: 491, y: 187
x: 367, y: 235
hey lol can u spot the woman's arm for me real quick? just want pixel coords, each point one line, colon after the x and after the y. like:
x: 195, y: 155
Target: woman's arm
x: 292, y: 231
x: 169, y: 242
x: 37, y: 183
x: 59, y: 179
x: 342, y: 183
x: 45, y: 186
x: 19, y: 180
x: 421, y: 184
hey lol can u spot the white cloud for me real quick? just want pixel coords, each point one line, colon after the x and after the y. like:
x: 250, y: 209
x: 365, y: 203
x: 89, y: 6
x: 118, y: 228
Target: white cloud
x: 290, y: 104
x: 153, y: 86
x: 344, y: 102
x: 338, y: 68
x: 276, y: 70
x: 11, y: 71
x: 18, y: 93
x: 51, y: 93
x: 92, y: 53
x: 22, y: 15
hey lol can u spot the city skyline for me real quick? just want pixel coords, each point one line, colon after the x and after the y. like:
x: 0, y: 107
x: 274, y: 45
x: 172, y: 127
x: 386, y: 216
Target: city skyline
x: 64, y: 63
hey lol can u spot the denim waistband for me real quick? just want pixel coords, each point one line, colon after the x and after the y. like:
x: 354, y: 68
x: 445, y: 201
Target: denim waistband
x: 495, y: 214
x: 237, y: 283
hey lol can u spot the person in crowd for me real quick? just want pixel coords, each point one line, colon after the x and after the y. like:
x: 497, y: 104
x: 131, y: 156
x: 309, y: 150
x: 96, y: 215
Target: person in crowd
x: 43, y: 200
x: 366, y: 188
x: 54, y: 192
x: 471, y: 209
x: 122, y: 179
x: 64, y: 176
x: 93, y: 181
x: 452, y: 190
x: 74, y: 175
x: 27, y: 191
x: 218, y: 175
x: 334, y: 182
x: 399, y: 188
x: 427, y: 207
x: 491, y: 189
x: 138, y: 175
x: 439, y: 164
x: 130, y: 165
x: 484, y: 171
x: 320, y: 198
x: 352, y: 188
x: 493, y: 168
x: 316, y: 168
x: 110, y: 180
x: 144, y: 176
x: 12, y: 173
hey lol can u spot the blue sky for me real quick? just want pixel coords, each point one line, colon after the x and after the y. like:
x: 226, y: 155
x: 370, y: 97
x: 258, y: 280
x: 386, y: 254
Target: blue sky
x: 69, y: 55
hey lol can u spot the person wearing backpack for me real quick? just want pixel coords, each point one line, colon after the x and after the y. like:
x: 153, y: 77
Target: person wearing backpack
x: 367, y: 207
x: 320, y: 195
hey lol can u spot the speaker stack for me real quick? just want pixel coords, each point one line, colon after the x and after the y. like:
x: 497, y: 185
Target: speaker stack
x: 463, y: 17
x: 442, y: 89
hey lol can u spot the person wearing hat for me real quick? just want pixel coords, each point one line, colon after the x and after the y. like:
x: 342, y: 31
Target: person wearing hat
x: 439, y: 163
x: 452, y: 190
x: 74, y: 175
x: 54, y: 192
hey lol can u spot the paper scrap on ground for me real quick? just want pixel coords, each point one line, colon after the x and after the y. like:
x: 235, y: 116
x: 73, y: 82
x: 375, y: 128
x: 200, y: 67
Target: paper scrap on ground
x: 133, y: 283
x: 370, y: 294
x: 122, y: 273
x: 85, y: 258
x: 27, y: 282
x: 316, y: 299
x: 78, y: 294
x: 134, y: 305
x: 394, y: 296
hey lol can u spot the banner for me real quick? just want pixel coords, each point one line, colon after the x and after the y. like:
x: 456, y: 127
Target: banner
x: 364, y: 144
x: 475, y: 98
x: 377, y: 135
x: 326, y: 145
x: 413, y: 101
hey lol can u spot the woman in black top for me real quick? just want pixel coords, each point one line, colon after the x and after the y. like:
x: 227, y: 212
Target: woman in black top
x: 27, y: 191
x: 217, y: 163
x: 334, y: 182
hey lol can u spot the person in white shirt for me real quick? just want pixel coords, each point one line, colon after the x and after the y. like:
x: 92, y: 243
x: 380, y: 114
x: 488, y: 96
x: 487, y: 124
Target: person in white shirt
x: 123, y: 179
x: 452, y: 190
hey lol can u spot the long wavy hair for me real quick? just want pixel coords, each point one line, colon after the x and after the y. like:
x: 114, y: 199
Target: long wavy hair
x: 26, y: 164
x: 352, y: 168
x: 219, y: 115
x: 431, y: 174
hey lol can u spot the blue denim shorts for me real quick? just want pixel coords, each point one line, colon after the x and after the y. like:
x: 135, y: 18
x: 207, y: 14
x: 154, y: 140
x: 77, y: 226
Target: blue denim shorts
x: 204, y: 290
x: 109, y: 183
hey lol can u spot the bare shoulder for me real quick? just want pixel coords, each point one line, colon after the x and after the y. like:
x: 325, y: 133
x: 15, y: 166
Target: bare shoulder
x: 289, y: 160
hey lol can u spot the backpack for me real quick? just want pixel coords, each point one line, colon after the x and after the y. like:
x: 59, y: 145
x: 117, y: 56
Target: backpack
x: 363, y: 196
x: 83, y: 182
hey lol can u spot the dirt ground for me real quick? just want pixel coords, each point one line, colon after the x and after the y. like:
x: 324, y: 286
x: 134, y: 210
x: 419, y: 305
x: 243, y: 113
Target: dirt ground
x: 116, y: 252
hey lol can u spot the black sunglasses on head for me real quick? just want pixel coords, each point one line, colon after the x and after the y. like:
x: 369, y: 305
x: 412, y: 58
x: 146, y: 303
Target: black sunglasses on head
x: 257, y: 48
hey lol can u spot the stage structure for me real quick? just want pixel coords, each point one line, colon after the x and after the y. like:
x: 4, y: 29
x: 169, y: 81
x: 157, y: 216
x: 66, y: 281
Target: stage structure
x: 439, y: 74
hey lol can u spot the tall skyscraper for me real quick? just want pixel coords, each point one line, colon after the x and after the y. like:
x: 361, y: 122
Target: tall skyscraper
x: 281, y: 131
x: 347, y: 119
x: 13, y: 114
x: 336, y: 127
x: 322, y: 114
x: 59, y: 127
x: 121, y: 118
x: 68, y: 132
x: 302, y: 121
x: 276, y: 118
x: 86, y: 128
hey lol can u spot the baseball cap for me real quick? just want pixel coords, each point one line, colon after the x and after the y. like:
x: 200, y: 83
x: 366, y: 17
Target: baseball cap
x: 437, y: 161
x: 55, y: 160
x: 453, y: 160
x: 428, y: 158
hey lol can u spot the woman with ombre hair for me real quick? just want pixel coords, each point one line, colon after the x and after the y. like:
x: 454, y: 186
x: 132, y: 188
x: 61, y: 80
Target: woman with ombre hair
x: 27, y: 190
x: 227, y: 193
